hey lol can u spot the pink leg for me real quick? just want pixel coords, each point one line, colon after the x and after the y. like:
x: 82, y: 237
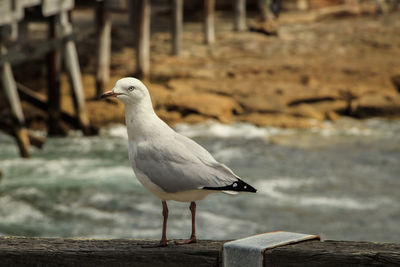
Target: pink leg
x: 192, y: 239
x: 163, y: 241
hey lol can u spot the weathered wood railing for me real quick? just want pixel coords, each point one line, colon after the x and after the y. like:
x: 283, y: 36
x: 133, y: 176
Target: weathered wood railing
x: 21, y: 251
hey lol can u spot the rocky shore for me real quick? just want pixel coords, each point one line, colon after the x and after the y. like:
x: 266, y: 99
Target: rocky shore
x: 311, y: 72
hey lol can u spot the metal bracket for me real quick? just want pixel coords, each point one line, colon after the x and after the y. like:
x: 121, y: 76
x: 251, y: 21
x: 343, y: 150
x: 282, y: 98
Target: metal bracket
x: 249, y: 251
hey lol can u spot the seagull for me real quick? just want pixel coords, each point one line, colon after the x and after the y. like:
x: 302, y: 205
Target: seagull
x: 166, y: 163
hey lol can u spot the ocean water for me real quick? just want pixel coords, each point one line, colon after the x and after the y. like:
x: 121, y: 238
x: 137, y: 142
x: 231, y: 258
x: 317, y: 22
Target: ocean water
x: 341, y: 181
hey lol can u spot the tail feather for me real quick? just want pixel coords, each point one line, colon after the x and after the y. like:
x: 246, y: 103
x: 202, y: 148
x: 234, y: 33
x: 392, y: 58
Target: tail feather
x: 232, y: 193
x: 238, y: 186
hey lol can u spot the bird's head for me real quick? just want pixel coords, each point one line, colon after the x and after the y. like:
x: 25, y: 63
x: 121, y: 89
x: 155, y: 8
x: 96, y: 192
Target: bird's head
x: 128, y: 90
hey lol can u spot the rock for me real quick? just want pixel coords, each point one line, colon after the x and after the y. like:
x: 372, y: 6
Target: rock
x: 396, y: 82
x: 277, y: 120
x: 260, y: 103
x: 296, y: 95
x: 306, y: 111
x: 180, y: 84
x: 158, y: 94
x: 332, y: 116
x: 308, y: 81
x: 210, y: 105
x: 377, y: 105
x: 268, y: 27
x: 327, y: 106
x: 313, y: 4
x: 103, y: 112
x: 194, y: 118
x: 170, y: 117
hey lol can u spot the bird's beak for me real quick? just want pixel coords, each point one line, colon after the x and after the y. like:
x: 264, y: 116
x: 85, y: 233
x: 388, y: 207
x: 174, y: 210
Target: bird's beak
x: 109, y: 94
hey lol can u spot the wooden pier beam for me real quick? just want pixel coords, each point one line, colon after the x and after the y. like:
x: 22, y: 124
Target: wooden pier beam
x: 240, y: 15
x: 22, y: 251
x: 10, y: 88
x: 177, y: 26
x: 209, y: 22
x: 70, y: 57
x: 40, y: 101
x: 103, y: 24
x: 53, y: 80
x: 34, y: 140
x: 143, y: 39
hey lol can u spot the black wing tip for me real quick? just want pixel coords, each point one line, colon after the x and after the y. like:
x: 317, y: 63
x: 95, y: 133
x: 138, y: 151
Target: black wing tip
x: 238, y: 186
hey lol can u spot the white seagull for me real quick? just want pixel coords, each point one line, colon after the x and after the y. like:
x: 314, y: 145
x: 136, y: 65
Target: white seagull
x: 168, y: 164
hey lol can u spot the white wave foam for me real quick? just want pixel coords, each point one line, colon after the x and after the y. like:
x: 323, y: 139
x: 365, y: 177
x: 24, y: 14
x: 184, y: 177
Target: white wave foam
x: 224, y: 226
x: 228, y: 154
x: 219, y: 130
x: 206, y: 129
x: 353, y: 127
x: 92, y: 213
x: 114, y: 130
x: 331, y: 129
x: 274, y: 188
x: 149, y: 207
x: 344, y: 126
x: 19, y: 211
x: 65, y: 172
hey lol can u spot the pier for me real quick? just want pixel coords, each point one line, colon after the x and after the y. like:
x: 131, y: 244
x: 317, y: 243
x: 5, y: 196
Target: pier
x: 60, y: 51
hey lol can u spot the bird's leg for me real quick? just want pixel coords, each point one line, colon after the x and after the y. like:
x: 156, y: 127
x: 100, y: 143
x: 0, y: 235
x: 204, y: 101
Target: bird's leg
x: 192, y: 239
x: 193, y: 211
x: 163, y: 241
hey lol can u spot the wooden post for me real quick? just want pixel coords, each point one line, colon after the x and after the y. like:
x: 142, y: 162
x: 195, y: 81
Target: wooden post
x: 302, y: 5
x: 35, y: 140
x: 209, y: 32
x: 39, y: 101
x: 103, y: 23
x: 143, y: 39
x: 383, y: 6
x: 132, y: 8
x: 54, y: 72
x: 23, y: 32
x: 74, y: 73
x: 268, y: 21
x: 240, y: 15
x: 266, y: 14
x: 177, y: 25
x: 134, y: 18
x: 10, y: 88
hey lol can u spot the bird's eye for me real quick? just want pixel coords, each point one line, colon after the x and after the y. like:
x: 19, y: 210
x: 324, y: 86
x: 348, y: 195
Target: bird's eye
x: 131, y: 88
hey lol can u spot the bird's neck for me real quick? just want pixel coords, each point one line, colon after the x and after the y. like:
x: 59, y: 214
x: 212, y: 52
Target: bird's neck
x: 142, y: 122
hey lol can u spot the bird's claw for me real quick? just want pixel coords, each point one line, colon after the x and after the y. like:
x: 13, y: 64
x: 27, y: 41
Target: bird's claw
x: 189, y: 241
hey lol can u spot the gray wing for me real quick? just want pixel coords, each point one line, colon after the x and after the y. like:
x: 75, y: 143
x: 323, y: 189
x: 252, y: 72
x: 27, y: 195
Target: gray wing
x: 180, y: 164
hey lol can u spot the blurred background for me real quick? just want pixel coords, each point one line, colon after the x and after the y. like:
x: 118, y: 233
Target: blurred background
x: 301, y: 98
